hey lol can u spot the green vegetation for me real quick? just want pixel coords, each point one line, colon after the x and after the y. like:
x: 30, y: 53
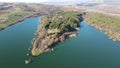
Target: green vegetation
x: 63, y: 21
x: 104, y: 20
x: 110, y: 25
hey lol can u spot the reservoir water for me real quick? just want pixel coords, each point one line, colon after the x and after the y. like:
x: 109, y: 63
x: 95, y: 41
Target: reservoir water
x: 91, y: 49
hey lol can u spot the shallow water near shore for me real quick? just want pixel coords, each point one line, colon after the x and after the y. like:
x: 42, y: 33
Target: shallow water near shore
x: 91, y: 49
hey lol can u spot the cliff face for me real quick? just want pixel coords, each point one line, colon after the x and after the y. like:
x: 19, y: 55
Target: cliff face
x: 55, y: 28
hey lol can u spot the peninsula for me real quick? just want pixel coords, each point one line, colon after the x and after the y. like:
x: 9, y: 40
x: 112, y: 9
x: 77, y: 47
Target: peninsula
x: 55, y: 28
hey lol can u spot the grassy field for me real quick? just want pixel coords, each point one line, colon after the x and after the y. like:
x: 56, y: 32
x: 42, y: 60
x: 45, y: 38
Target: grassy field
x: 12, y: 17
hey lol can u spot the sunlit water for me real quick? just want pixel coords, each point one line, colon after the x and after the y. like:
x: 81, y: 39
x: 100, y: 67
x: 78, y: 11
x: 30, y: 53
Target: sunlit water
x: 91, y: 49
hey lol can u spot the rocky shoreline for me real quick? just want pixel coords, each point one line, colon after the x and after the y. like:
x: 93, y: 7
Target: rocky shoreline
x: 49, y: 42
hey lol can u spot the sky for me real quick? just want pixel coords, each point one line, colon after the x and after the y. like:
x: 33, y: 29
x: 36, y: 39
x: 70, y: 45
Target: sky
x: 40, y: 1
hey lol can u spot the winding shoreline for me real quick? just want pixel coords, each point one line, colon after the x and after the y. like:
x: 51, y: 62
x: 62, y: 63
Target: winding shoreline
x: 29, y: 16
x: 109, y: 28
x: 115, y: 36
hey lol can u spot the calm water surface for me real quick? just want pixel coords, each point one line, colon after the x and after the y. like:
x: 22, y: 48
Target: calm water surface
x: 91, y: 49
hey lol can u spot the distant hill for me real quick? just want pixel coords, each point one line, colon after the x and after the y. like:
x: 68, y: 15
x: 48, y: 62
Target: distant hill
x: 72, y: 2
x: 111, y: 0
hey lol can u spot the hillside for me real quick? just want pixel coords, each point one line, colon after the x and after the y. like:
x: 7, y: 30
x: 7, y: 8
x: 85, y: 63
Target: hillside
x: 107, y: 7
x: 11, y: 13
